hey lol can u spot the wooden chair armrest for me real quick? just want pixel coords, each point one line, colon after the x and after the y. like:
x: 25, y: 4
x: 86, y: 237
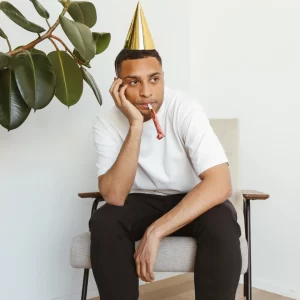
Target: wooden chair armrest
x: 254, y: 195
x: 90, y: 195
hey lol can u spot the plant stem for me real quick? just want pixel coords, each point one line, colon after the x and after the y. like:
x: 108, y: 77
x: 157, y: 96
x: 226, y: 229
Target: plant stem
x: 43, y: 37
x: 8, y: 43
x: 57, y: 49
x: 48, y: 24
x: 67, y: 49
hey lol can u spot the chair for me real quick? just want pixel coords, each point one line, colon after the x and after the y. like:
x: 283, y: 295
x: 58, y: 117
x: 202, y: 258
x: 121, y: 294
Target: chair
x: 176, y: 254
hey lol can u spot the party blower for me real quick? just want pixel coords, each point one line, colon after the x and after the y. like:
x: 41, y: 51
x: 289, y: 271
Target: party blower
x: 160, y: 133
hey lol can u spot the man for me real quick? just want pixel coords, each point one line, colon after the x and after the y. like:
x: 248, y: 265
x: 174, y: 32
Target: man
x: 153, y: 188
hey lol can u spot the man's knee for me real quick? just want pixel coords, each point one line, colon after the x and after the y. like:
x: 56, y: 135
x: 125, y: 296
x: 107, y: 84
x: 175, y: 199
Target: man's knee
x: 105, y: 220
x: 221, y: 221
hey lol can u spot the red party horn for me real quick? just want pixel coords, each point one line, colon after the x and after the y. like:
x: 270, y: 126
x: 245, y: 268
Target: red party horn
x: 160, y: 133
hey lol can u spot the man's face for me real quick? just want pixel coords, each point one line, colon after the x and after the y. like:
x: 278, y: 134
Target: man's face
x: 145, y: 81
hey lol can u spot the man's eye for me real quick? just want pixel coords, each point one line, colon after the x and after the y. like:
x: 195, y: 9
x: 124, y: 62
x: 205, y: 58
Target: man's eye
x: 134, y: 82
x: 155, y: 79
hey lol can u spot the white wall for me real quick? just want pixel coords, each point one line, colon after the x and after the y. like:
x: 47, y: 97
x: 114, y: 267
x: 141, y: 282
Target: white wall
x: 245, y: 63
x: 51, y: 157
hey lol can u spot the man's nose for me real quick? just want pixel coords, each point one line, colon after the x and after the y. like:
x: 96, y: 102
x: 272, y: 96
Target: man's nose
x: 146, y: 91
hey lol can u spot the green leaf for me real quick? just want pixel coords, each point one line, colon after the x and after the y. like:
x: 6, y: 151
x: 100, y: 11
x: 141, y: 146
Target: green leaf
x: 4, y: 60
x: 40, y: 9
x: 35, y: 78
x: 92, y: 83
x: 36, y: 51
x: 18, y: 47
x: 2, y: 34
x: 13, y: 109
x: 80, y: 36
x: 16, y: 16
x: 83, y: 12
x: 85, y: 63
x: 102, y: 41
x: 69, y: 82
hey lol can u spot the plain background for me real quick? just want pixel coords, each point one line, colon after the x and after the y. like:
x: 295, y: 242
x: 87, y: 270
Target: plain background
x: 240, y: 59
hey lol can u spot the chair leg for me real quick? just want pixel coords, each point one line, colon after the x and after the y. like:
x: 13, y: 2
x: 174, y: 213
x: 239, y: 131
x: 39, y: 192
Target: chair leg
x: 86, y: 271
x: 85, y: 284
x: 245, y: 284
x: 248, y: 275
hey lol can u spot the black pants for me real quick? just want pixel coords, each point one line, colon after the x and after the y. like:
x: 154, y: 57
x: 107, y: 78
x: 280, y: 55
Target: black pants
x: 114, y: 230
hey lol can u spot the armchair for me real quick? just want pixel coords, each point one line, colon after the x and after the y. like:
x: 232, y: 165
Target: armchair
x: 176, y: 254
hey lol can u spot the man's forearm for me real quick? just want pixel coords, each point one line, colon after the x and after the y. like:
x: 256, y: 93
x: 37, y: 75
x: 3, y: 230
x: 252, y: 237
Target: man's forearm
x: 116, y: 183
x: 200, y: 199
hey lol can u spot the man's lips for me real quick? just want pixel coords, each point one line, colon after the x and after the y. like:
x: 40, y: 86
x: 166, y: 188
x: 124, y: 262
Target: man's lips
x: 144, y: 105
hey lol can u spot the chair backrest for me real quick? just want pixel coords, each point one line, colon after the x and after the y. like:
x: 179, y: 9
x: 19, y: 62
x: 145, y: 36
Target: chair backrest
x: 228, y: 133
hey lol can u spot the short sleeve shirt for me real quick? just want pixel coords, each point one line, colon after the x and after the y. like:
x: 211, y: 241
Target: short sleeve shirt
x: 173, y: 164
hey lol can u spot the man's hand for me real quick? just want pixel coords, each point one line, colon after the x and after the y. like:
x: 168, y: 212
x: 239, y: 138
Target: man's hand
x: 145, y: 256
x: 125, y: 106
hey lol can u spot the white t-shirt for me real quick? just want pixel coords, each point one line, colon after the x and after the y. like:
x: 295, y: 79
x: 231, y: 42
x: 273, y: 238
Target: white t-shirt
x: 173, y: 164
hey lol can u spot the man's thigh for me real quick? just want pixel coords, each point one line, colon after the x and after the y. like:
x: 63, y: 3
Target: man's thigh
x: 221, y: 216
x: 137, y: 214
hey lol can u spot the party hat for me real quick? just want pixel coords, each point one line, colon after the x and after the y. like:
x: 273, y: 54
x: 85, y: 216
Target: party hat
x: 139, y: 36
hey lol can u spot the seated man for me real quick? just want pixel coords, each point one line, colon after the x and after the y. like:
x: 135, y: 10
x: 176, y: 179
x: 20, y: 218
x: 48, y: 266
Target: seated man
x: 178, y: 185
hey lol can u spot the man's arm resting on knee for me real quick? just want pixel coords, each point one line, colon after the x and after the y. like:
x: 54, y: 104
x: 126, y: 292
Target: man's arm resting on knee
x: 214, y: 189
x: 116, y: 183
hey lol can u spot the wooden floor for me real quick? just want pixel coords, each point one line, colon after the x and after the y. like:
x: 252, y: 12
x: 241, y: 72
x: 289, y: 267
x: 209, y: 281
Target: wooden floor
x: 181, y: 287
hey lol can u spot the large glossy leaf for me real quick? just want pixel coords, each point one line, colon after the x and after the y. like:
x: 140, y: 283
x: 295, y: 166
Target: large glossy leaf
x: 4, y: 60
x: 83, y: 12
x: 2, y: 34
x: 80, y: 36
x: 69, y: 82
x: 16, y: 16
x: 35, y: 78
x: 92, y: 83
x: 102, y: 41
x: 40, y: 9
x: 85, y: 63
x: 36, y: 51
x: 13, y: 109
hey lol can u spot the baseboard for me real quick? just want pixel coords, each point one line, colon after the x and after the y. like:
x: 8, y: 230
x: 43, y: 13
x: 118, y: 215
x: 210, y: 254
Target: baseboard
x: 92, y: 293
x: 273, y: 287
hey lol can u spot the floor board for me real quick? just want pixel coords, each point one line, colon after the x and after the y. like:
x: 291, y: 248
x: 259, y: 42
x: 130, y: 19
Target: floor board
x: 181, y: 287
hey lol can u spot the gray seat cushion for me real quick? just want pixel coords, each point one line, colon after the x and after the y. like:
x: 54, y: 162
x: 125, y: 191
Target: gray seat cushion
x: 176, y: 254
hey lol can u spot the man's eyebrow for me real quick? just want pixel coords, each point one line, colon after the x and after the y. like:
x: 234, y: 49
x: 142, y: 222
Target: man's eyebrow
x: 135, y: 77
x: 155, y: 73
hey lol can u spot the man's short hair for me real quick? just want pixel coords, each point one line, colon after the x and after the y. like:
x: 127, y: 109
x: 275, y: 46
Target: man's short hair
x: 127, y: 54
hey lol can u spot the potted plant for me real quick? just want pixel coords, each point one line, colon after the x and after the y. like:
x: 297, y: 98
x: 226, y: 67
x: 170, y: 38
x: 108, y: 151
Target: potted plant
x: 30, y: 78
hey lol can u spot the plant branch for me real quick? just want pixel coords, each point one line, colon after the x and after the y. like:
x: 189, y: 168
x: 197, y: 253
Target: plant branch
x: 43, y: 37
x: 67, y: 49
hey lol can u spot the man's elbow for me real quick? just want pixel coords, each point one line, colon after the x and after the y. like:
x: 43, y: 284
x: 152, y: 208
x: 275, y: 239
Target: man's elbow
x: 114, y: 199
x: 110, y: 194
x: 228, y: 193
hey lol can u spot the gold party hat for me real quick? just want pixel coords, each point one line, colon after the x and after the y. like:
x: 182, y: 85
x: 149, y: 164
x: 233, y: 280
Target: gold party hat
x: 139, y: 36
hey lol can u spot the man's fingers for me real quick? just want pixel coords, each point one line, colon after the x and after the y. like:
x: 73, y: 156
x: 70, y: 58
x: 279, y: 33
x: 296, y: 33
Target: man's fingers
x: 144, y: 274
x: 138, y: 269
x: 150, y: 271
x: 122, y: 93
x: 113, y: 84
x: 115, y: 92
